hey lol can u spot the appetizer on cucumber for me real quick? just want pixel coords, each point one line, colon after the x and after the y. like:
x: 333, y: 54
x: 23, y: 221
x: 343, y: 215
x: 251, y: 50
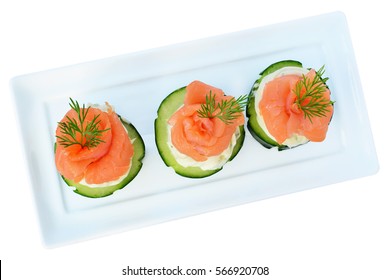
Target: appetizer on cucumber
x: 97, y: 152
x: 198, y: 129
x: 289, y: 106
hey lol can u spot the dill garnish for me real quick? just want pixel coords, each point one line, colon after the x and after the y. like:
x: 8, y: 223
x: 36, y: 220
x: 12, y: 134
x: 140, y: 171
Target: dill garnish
x: 312, y: 101
x: 78, y: 131
x: 225, y: 110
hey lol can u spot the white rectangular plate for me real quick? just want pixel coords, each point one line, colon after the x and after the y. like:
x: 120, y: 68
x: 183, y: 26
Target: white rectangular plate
x: 136, y: 84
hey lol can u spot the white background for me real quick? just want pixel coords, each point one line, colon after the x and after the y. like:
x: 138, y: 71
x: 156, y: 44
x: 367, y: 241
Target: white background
x: 339, y: 231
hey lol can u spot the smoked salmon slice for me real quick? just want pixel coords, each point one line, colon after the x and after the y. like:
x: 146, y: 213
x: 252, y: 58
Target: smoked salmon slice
x: 198, y: 129
x: 116, y: 162
x: 283, y: 118
x: 289, y: 106
x: 105, y: 162
x: 200, y: 137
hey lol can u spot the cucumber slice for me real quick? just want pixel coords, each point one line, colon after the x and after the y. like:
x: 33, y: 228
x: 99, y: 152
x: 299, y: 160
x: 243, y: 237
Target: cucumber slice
x: 256, y: 130
x: 136, y: 164
x: 167, y: 108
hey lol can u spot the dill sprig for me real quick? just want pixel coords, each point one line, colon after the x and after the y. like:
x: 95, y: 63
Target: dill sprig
x: 225, y: 110
x: 77, y: 131
x: 313, y: 102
